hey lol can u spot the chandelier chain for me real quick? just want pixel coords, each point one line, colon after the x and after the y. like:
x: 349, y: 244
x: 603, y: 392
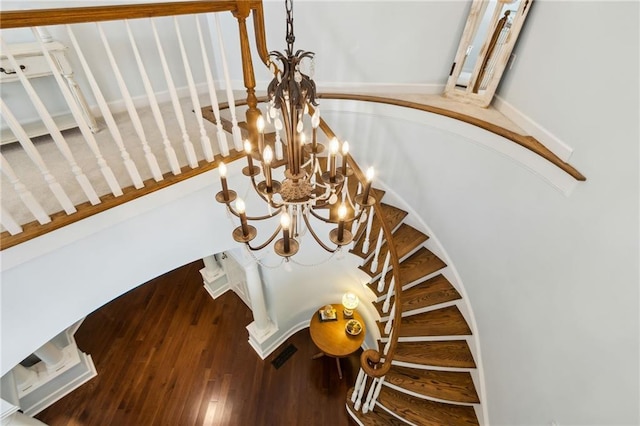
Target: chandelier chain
x: 291, y: 38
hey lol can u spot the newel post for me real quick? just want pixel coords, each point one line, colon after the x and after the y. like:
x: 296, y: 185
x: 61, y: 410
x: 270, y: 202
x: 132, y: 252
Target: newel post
x: 253, y: 112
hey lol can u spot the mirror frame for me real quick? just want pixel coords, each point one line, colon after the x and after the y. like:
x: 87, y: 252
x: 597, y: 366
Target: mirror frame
x: 474, y: 19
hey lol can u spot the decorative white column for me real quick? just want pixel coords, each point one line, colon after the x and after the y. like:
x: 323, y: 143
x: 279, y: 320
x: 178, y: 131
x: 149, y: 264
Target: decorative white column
x: 24, y: 377
x: 62, y: 368
x: 214, y: 276
x: 256, y: 295
x: 51, y: 355
x: 262, y: 328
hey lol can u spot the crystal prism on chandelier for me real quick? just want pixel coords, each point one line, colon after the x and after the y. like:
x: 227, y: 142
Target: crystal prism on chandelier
x: 312, y: 186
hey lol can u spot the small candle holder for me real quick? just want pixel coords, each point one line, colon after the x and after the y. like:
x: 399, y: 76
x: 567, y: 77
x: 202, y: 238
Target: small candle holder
x: 279, y: 246
x: 231, y: 197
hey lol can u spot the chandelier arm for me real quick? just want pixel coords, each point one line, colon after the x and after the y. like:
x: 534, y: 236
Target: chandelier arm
x: 266, y: 243
x: 267, y: 216
x: 317, y: 216
x: 315, y: 237
x: 266, y: 200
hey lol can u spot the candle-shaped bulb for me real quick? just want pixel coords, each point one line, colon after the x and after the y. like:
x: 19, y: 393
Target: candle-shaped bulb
x: 303, y: 138
x: 260, y: 124
x: 345, y: 148
x: 342, y: 211
x: 369, y: 174
x: 285, y: 221
x: 247, y: 146
x: 367, y: 186
x: 222, y: 169
x: 345, y: 152
x: 240, y: 207
x: 334, y: 146
x: 267, y: 155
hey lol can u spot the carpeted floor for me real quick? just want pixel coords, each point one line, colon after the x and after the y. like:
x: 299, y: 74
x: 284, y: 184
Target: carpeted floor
x: 30, y: 176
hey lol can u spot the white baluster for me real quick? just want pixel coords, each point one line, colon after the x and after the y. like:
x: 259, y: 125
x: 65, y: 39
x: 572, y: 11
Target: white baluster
x: 67, y: 73
x: 9, y: 222
x: 133, y: 113
x: 153, y: 103
x: 372, y: 388
x: 25, y: 195
x: 387, y: 347
x: 175, y: 101
x: 106, y: 114
x: 385, y: 267
x: 222, y: 137
x: 367, y: 235
x: 376, y: 254
x: 358, y: 402
x: 106, y: 171
x: 356, y: 387
x: 376, y: 393
x: 204, y: 139
x: 390, y: 292
x: 389, y: 325
x: 235, y: 130
x: 53, y: 130
x: 34, y: 155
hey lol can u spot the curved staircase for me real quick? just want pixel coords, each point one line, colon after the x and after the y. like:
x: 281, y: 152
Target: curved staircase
x: 432, y: 380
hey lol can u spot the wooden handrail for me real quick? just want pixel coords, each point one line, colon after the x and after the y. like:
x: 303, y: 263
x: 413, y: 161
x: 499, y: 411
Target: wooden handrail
x: 77, y: 15
x: 528, y: 142
x: 370, y: 359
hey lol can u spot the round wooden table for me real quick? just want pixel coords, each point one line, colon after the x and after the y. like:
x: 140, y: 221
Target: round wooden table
x: 332, y: 338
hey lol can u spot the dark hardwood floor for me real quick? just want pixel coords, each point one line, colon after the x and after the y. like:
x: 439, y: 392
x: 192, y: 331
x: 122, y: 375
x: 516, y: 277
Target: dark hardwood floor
x: 168, y: 354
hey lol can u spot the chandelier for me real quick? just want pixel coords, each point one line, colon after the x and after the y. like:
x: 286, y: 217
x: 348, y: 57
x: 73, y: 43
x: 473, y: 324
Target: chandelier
x: 308, y: 191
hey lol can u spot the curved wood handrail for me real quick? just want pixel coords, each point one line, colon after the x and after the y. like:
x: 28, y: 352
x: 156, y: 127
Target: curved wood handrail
x: 370, y: 359
x: 77, y: 15
x: 528, y: 142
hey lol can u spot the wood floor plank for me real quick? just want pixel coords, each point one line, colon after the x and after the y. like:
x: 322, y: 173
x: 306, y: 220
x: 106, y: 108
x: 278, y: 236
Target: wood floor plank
x: 167, y: 354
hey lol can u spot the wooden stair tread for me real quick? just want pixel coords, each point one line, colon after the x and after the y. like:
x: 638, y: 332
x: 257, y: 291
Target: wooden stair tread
x: 405, y: 239
x: 443, y: 353
x: 377, y: 417
x: 428, y: 293
x: 439, y: 322
x: 420, y: 264
x: 427, y: 413
x: 392, y: 215
x: 455, y: 386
